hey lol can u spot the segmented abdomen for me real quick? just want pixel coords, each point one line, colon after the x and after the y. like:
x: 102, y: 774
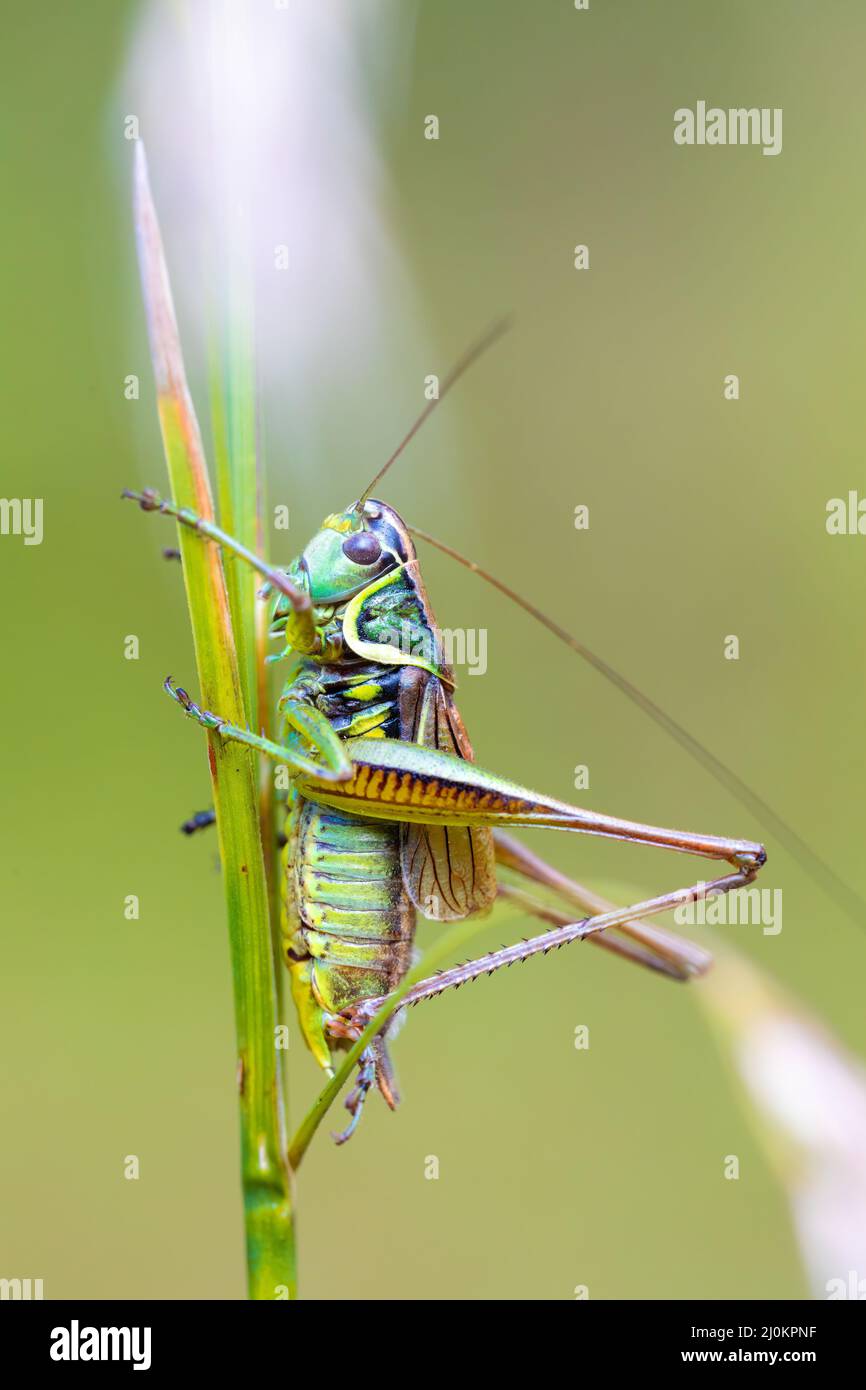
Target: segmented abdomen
x: 349, y: 904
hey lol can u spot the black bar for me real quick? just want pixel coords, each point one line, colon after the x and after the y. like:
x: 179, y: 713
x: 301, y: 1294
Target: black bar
x: 226, y: 1337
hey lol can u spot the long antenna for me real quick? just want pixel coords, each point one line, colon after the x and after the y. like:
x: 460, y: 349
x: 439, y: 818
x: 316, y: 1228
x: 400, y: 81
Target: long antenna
x: 844, y: 896
x: 471, y: 355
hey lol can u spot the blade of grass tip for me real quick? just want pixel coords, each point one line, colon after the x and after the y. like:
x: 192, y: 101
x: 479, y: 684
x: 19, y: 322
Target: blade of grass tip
x: 449, y: 942
x: 234, y: 426
x: 265, y: 1174
x: 240, y: 490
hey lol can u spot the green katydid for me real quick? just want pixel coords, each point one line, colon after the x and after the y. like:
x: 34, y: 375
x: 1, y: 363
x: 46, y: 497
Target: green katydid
x: 388, y: 814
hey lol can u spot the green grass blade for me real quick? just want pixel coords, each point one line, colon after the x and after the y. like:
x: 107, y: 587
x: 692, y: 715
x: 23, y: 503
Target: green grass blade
x: 265, y: 1175
x: 240, y: 490
x: 232, y: 390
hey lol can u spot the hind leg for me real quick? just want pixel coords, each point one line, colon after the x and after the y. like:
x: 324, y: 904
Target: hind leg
x: 320, y: 1028
x: 355, y: 1101
x: 374, y: 1065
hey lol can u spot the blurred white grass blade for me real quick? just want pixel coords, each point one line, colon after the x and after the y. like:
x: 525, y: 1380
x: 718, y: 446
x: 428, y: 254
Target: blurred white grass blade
x: 808, y: 1096
x: 262, y: 123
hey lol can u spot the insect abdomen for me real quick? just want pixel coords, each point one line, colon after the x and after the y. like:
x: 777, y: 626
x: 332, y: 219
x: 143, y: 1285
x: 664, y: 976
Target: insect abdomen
x: 356, y: 920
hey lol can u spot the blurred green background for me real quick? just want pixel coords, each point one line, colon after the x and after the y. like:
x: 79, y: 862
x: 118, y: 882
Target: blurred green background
x: 557, y: 1167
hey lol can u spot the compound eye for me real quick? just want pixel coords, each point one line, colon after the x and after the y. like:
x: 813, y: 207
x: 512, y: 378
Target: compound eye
x: 362, y: 548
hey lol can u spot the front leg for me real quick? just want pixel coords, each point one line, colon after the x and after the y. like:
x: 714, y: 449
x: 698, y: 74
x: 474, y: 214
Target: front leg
x: 294, y: 605
x: 200, y: 821
x: 306, y: 720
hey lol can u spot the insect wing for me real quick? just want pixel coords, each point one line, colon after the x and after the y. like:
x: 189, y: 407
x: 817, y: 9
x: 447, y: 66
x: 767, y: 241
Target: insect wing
x: 449, y: 871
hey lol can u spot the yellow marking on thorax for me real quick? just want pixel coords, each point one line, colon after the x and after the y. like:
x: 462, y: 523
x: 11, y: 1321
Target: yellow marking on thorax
x: 367, y: 690
x: 366, y: 722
